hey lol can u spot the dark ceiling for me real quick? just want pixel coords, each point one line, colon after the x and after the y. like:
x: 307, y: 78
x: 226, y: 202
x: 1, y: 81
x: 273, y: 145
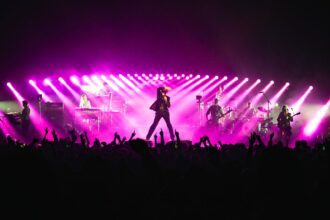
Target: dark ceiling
x: 288, y: 41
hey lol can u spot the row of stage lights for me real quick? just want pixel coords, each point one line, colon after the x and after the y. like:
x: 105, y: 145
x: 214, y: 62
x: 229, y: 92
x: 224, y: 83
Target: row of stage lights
x: 128, y: 79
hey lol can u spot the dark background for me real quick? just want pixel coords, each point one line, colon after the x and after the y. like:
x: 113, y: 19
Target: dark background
x: 267, y: 39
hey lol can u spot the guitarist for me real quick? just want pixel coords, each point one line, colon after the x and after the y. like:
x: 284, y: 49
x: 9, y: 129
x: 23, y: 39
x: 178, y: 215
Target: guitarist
x: 216, y: 113
x: 283, y: 122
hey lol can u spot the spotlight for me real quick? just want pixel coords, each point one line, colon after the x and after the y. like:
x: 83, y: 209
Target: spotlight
x: 216, y: 77
x: 225, y: 78
x: 287, y: 83
x: 47, y: 81
x: 75, y: 80
x: 191, y: 75
x: 311, y: 87
x: 207, y: 76
x: 8, y: 84
x: 32, y: 82
x: 183, y: 75
x: 258, y: 80
x: 198, y: 76
x: 61, y: 80
x: 272, y: 82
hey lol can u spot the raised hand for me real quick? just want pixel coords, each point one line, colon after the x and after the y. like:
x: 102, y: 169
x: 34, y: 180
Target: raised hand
x: 161, y: 133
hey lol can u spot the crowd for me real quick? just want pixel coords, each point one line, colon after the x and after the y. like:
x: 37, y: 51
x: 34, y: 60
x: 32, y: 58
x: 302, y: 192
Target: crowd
x: 128, y: 178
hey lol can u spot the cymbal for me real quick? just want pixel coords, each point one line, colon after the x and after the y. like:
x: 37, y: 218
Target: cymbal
x: 262, y: 109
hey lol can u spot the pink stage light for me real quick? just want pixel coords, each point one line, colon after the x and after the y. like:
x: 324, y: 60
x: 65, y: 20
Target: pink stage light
x: 188, y: 89
x: 39, y: 91
x: 296, y: 106
x: 138, y: 84
x: 111, y: 84
x: 93, y: 88
x: 248, y: 91
x: 66, y: 101
x: 17, y: 94
x: 75, y: 80
x: 121, y: 85
x: 231, y: 82
x: 206, y: 85
x: 232, y: 92
x: 47, y: 81
x: 313, y: 124
x: 276, y: 97
x: 97, y: 80
x: 257, y: 98
x: 36, y: 120
x: 211, y: 88
x: 185, y: 84
x: 129, y: 83
x: 74, y: 93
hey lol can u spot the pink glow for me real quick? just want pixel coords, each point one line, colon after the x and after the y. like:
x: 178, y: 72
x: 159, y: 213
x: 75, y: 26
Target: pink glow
x: 276, y: 97
x: 188, y: 89
x: 296, y: 106
x: 211, y: 88
x: 129, y: 83
x: 121, y: 85
x: 47, y: 81
x: 200, y: 90
x: 39, y: 91
x: 257, y: 98
x: 247, y: 92
x: 313, y: 124
x: 74, y: 93
x: 66, y: 101
x: 230, y: 83
x: 17, y: 94
x: 232, y: 92
x: 182, y: 86
x: 110, y: 83
x: 75, y: 80
x: 36, y: 120
x: 138, y: 84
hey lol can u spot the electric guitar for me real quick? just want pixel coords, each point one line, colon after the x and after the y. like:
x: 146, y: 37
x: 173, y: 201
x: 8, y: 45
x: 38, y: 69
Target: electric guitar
x: 285, y: 125
x: 217, y: 117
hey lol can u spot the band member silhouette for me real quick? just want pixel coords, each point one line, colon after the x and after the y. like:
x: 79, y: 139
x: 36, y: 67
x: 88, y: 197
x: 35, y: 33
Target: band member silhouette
x: 161, y: 106
x: 216, y: 113
x: 283, y: 122
x: 25, y: 117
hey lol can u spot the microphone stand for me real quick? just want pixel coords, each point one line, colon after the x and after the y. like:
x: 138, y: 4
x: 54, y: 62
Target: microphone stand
x: 268, y: 104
